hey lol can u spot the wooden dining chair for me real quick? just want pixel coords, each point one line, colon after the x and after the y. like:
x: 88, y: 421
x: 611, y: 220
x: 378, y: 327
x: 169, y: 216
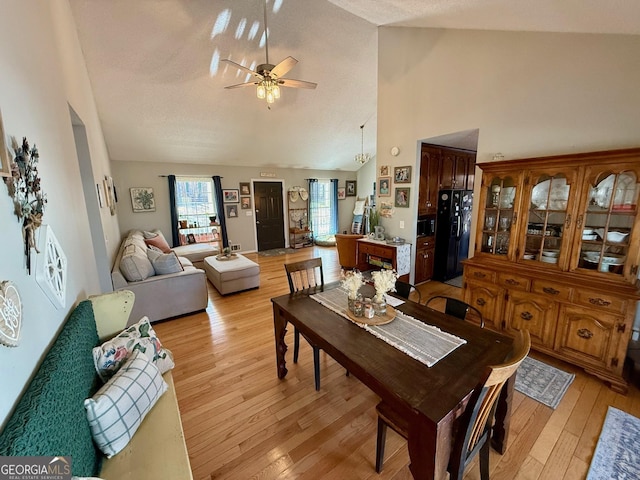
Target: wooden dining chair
x: 474, y: 426
x: 403, y: 289
x: 303, y: 275
x: 456, y: 308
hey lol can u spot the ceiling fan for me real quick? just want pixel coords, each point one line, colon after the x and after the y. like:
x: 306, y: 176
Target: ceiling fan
x: 268, y: 76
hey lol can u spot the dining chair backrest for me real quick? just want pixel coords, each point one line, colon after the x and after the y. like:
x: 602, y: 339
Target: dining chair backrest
x: 456, y: 308
x: 305, y: 274
x: 475, y: 423
x: 403, y: 289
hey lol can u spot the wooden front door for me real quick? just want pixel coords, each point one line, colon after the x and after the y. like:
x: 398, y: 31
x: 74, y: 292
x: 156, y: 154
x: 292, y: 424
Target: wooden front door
x: 269, y: 215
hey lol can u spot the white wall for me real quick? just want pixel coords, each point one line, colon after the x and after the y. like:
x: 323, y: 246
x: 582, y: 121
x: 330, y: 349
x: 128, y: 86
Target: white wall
x: 42, y: 74
x: 240, y: 230
x: 530, y: 94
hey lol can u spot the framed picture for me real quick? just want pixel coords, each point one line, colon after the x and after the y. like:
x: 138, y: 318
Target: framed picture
x: 232, y: 211
x: 230, y: 196
x: 5, y: 161
x: 110, y: 194
x: 245, y: 203
x: 142, y: 199
x: 384, y: 186
x: 402, y: 174
x: 191, y: 238
x: 245, y: 188
x: 402, y: 197
x: 100, y: 195
x: 351, y: 188
x: 342, y: 193
x: 384, y: 171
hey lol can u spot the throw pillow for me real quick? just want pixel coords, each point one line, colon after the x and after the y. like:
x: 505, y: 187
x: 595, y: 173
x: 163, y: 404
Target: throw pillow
x: 117, y: 409
x: 146, y: 234
x: 110, y: 356
x: 154, y: 248
x: 135, y: 266
x: 160, y: 242
x: 164, y: 263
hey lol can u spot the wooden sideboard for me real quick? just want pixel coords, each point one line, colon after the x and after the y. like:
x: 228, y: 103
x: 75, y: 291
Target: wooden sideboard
x: 374, y: 254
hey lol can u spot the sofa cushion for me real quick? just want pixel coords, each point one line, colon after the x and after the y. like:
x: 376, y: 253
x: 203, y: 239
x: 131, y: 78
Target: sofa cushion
x: 158, y: 241
x: 135, y: 265
x: 164, y: 263
x: 117, y: 409
x: 112, y: 354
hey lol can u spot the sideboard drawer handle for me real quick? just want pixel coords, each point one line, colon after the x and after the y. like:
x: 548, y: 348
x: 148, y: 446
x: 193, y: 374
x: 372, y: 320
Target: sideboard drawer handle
x: 481, y: 302
x: 550, y: 291
x: 479, y: 274
x: 511, y: 281
x: 585, y: 333
x: 599, y: 302
x: 526, y: 316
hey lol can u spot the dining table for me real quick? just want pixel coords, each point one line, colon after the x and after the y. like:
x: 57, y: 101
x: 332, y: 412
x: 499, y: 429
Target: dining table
x: 429, y: 397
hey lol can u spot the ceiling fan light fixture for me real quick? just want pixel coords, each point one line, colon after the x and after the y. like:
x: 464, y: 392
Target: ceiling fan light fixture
x: 261, y: 92
x: 276, y: 92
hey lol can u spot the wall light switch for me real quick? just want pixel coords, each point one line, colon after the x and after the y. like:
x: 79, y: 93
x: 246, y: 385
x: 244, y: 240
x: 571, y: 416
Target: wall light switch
x: 401, y: 223
x: 248, y: 213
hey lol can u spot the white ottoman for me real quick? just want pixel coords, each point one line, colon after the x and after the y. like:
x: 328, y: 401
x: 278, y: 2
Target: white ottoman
x: 232, y: 275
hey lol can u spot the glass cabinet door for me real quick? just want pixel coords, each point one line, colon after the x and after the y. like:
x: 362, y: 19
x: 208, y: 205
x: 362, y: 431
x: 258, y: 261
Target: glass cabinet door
x: 607, y: 224
x: 500, y: 196
x: 547, y: 217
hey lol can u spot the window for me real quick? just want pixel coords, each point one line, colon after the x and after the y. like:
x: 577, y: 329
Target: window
x: 196, y: 206
x: 323, y: 209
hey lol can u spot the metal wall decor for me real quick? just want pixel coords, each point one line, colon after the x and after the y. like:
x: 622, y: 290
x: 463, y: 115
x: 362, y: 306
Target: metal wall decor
x: 10, y: 314
x: 28, y: 198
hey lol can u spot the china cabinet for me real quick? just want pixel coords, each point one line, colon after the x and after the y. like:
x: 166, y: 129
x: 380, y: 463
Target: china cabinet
x: 557, y: 251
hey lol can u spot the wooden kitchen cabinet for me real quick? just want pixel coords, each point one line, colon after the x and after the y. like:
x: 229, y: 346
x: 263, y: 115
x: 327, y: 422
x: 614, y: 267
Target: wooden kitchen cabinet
x: 425, y: 252
x: 558, y: 239
x: 429, y: 185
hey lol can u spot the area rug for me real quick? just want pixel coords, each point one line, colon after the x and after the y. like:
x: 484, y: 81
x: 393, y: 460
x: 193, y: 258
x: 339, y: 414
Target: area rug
x: 617, y: 454
x: 542, y: 382
x: 455, y: 282
x: 275, y: 252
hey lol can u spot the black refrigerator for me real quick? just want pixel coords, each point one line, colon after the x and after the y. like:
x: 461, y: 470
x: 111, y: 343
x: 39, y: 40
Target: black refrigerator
x: 453, y: 232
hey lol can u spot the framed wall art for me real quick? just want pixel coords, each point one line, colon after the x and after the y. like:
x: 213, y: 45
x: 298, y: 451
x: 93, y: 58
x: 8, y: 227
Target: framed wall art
x: 402, y: 174
x: 245, y: 188
x: 142, y: 199
x: 402, y: 197
x: 245, y: 203
x: 351, y: 188
x: 230, y: 195
x: 342, y: 193
x: 232, y: 211
x: 384, y: 187
x: 384, y: 171
x: 5, y: 161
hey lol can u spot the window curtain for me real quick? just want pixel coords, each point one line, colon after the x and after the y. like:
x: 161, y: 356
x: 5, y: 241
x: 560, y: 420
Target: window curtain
x: 217, y: 183
x: 314, y: 193
x: 334, y: 206
x: 173, y: 211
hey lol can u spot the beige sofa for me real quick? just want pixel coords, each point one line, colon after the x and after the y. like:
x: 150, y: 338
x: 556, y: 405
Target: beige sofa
x: 157, y: 296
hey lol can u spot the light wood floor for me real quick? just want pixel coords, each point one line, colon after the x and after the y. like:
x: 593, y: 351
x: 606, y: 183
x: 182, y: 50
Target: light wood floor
x: 241, y: 422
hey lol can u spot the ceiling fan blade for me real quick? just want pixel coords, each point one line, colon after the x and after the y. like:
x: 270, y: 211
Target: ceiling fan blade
x: 243, y: 68
x: 249, y: 84
x: 290, y: 82
x: 284, y: 66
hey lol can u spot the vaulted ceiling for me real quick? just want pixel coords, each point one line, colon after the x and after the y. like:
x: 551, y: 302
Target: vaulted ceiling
x: 158, y: 80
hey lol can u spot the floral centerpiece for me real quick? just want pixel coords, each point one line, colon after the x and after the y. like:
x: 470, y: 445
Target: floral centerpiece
x: 384, y: 281
x: 351, y: 282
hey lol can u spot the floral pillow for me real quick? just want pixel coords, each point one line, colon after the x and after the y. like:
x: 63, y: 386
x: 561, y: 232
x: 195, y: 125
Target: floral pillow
x: 112, y: 354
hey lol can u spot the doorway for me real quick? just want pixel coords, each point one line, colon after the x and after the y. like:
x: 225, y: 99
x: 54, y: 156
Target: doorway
x: 269, y: 210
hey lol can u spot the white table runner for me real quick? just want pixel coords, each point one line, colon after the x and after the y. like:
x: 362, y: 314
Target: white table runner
x: 426, y: 343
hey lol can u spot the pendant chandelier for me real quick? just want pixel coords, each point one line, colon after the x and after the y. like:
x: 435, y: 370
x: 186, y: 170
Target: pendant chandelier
x: 362, y: 157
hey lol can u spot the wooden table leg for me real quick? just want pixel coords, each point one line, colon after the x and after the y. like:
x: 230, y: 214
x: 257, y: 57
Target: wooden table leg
x: 500, y: 434
x: 280, y: 329
x: 429, y: 448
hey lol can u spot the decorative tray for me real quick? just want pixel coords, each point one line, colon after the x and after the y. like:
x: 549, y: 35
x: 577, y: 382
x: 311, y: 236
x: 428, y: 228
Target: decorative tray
x: 223, y: 257
x: 376, y: 320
